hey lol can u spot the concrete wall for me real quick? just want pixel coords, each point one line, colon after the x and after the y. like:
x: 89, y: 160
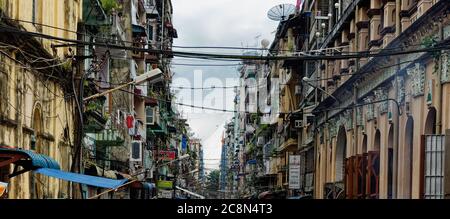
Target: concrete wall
x: 28, y: 93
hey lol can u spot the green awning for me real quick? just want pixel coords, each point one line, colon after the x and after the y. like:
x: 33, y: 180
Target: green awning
x: 139, y: 31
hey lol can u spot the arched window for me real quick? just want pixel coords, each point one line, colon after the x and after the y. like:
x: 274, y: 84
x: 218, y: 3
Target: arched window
x: 430, y: 124
x: 364, y: 144
x: 377, y: 140
x: 341, y: 149
x: 391, y: 162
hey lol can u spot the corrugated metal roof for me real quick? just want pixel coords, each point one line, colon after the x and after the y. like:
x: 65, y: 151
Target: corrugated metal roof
x: 83, y: 179
x: 37, y: 160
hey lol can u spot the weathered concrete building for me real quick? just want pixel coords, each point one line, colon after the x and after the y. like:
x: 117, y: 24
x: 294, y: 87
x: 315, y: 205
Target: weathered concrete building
x: 384, y: 119
x: 36, y: 100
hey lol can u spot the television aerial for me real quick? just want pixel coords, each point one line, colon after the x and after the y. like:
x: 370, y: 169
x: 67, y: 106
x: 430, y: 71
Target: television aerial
x: 281, y: 12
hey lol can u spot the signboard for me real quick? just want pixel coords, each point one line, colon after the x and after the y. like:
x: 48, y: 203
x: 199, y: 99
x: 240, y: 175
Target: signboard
x: 167, y: 155
x: 164, y: 184
x: 183, y: 143
x: 294, y: 171
x: 165, y: 194
x: 3, y: 188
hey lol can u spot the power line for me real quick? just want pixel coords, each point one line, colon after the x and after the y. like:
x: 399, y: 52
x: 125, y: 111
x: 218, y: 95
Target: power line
x: 206, y: 65
x: 224, y: 56
x: 184, y: 47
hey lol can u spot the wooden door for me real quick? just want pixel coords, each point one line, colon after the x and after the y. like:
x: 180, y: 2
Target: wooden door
x: 373, y: 175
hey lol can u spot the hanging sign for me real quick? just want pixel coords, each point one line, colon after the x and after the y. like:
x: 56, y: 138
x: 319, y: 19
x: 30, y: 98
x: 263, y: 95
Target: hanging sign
x: 294, y: 172
x: 161, y: 184
x: 167, y: 155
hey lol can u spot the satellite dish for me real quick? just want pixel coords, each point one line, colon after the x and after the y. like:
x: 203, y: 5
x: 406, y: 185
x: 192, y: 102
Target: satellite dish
x: 265, y: 43
x: 281, y: 12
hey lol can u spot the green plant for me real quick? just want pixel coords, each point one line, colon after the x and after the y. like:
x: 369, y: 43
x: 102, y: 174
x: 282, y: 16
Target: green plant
x: 67, y: 66
x: 109, y: 5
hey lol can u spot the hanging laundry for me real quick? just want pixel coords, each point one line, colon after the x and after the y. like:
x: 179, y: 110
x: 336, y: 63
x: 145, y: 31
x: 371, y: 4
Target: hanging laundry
x: 130, y: 121
x: 130, y: 125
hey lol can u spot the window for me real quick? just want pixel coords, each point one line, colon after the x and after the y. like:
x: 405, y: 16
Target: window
x: 150, y: 112
x: 150, y: 32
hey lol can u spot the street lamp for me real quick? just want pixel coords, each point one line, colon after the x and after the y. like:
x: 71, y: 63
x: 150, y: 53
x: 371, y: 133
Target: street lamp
x: 138, y: 80
x: 308, y: 81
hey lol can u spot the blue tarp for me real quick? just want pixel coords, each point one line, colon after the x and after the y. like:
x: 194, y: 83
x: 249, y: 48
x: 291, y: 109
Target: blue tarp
x: 83, y: 179
x: 37, y: 160
x: 148, y: 186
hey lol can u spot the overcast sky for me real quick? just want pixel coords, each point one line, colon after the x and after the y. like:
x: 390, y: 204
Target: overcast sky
x: 233, y: 23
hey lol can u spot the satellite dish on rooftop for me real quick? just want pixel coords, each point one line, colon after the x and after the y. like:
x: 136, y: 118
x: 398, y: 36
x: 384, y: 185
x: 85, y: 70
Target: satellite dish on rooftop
x: 281, y: 12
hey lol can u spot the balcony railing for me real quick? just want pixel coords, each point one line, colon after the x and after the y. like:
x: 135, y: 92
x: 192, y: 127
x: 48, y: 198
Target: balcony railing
x: 151, y: 9
x: 109, y: 138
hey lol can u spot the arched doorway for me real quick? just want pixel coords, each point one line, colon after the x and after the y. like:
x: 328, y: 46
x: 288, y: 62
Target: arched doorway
x: 430, y: 124
x: 390, y: 162
x: 373, y: 167
x: 341, y: 149
x: 38, y: 183
x: 409, y: 144
x: 361, y: 169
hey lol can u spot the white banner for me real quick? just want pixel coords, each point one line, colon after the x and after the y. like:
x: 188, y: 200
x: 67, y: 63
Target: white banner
x: 294, y: 171
x: 167, y: 194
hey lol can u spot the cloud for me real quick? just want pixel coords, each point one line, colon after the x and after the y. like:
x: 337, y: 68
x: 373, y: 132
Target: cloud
x: 217, y: 23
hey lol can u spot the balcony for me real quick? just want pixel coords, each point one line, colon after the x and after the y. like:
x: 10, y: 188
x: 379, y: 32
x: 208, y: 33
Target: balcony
x: 289, y: 145
x: 93, y: 13
x: 139, y: 31
x: 155, y: 125
x: 151, y: 9
x: 151, y: 58
x: 109, y: 138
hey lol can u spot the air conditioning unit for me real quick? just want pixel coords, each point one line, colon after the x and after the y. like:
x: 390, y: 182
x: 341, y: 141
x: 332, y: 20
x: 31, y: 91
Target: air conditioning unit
x: 298, y: 124
x: 298, y: 90
x: 136, y: 151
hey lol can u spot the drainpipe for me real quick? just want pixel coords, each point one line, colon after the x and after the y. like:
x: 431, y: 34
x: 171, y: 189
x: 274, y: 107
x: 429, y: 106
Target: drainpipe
x: 439, y: 86
x: 396, y: 120
x: 163, y: 22
x: 398, y: 8
x: 355, y: 130
x: 327, y: 133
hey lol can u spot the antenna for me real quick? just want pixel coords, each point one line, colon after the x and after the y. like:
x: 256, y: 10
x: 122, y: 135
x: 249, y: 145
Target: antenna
x: 281, y: 12
x: 257, y: 39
